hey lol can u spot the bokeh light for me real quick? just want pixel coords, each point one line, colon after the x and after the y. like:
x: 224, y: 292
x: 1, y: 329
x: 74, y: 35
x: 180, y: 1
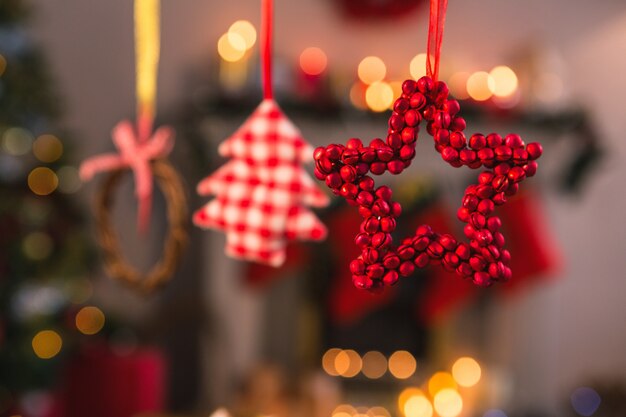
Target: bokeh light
x: 90, y: 320
x: 37, y: 246
x: 372, y: 69
x: 47, y: 148
x: 379, y: 96
x: 47, y: 344
x: 231, y: 47
x: 378, y: 412
x: 374, y: 364
x: 3, y: 64
x: 494, y: 413
x: 348, y: 363
x: 585, y: 401
x: 448, y: 403
x: 357, y: 95
x: 396, y: 87
x: 313, y: 61
x: 406, y: 394
x: 42, y: 181
x: 504, y: 81
x: 417, y: 67
x: 458, y: 85
x: 402, y: 364
x: 328, y: 361
x: 440, y: 381
x: 343, y: 410
x: 244, y: 30
x: 17, y: 141
x: 418, y: 406
x: 69, y: 181
x: 479, y: 86
x: 466, y: 372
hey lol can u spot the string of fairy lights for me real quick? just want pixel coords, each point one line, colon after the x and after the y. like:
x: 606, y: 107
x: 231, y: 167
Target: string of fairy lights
x: 373, y: 89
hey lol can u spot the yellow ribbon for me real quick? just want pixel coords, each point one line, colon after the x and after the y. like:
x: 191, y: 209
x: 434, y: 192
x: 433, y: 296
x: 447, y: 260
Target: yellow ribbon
x: 147, y: 46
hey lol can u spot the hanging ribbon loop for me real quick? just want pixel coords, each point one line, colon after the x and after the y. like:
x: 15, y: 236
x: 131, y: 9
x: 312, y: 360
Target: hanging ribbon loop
x: 267, y: 15
x: 435, y: 36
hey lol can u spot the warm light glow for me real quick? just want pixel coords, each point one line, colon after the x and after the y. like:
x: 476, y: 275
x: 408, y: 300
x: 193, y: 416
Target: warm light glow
x: 328, y: 361
x: 313, y: 61
x: 37, y: 246
x: 406, y: 394
x: 47, y: 148
x: 402, y: 364
x: 357, y: 95
x: 348, y: 363
x: 372, y: 69
x: 378, y: 412
x: 458, y: 85
x: 90, y: 320
x: 17, y: 141
x: 343, y: 410
x: 396, y: 87
x: 440, y: 381
x: 379, y: 96
x: 42, y: 181
x: 3, y: 65
x: 448, y: 403
x: 466, y: 372
x: 231, y: 47
x: 47, y: 344
x: 479, y: 86
x: 69, y: 181
x: 374, y: 364
x: 417, y: 67
x: 504, y: 81
x: 418, y: 406
x: 245, y: 30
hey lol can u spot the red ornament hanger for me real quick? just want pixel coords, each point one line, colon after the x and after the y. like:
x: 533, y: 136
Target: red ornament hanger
x: 508, y: 161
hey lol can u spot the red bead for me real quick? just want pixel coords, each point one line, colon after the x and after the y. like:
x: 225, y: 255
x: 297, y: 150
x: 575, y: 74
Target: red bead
x: 520, y: 156
x: 370, y: 255
x: 451, y: 260
x: 349, y: 190
x: 384, y: 154
x: 442, y: 120
x: 357, y: 267
x: 390, y: 278
x: 391, y: 261
x: 485, y: 154
x: 513, y: 141
x: 494, y: 140
x: 530, y: 168
x: 394, y: 140
x: 482, y: 279
x: 375, y: 271
x: 333, y: 180
x: 396, y: 209
x: 477, y: 263
x: 534, y: 150
x: 452, y: 107
x: 477, y: 142
x: 371, y: 225
x: 484, y: 237
x: 465, y: 270
x: 333, y: 152
x: 366, y: 184
x: 458, y: 124
x: 401, y: 105
x: 425, y: 85
x: 467, y: 156
x: 362, y: 281
x: 362, y: 240
x: 412, y: 118
x: 417, y: 101
x: 409, y: 87
x: 477, y: 220
x: 463, y: 214
x: 319, y: 174
x: 350, y: 156
x: 384, y: 192
x: 499, y: 199
x: 500, y: 183
x: 387, y: 224
x: 395, y: 167
x: 354, y: 143
x: 484, y: 191
x: 422, y: 260
x: 448, y: 242
x: 503, y: 153
x: 423, y: 230
x: 494, y: 223
x: 486, y: 206
x: 348, y: 173
x: 517, y: 174
x: 457, y: 140
x: 380, y: 208
x: 409, y: 135
x: 450, y: 154
x: 470, y: 202
x: 365, y: 198
x: 407, y: 152
x: 498, y: 239
x: 406, y: 268
x: 381, y: 240
x: 442, y: 137
x: 378, y: 168
x: 463, y: 251
x: 396, y: 121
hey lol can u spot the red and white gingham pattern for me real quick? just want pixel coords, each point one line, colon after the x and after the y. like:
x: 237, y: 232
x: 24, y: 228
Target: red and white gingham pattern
x: 262, y: 193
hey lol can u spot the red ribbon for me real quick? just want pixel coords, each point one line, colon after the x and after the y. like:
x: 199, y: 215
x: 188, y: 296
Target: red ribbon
x: 435, y: 36
x: 266, y: 47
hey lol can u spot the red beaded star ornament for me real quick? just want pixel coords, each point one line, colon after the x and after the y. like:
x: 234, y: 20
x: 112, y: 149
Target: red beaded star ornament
x: 345, y: 170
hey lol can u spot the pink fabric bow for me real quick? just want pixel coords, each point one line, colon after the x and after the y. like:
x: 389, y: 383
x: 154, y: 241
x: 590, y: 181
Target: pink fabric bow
x: 136, y: 150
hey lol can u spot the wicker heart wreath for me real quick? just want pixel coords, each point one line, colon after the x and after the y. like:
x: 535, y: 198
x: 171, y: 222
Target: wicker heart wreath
x: 345, y: 170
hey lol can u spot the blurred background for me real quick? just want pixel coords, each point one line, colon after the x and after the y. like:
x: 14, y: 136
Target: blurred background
x: 229, y: 338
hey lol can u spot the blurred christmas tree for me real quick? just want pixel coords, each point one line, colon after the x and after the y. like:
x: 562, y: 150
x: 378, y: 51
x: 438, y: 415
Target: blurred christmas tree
x: 44, y: 255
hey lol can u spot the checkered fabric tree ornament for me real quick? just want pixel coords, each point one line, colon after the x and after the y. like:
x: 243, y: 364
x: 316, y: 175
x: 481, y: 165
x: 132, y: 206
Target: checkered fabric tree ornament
x: 262, y: 194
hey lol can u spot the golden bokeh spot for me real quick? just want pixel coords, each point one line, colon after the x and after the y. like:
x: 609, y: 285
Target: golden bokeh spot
x: 42, y: 181
x: 344, y: 410
x: 3, y: 64
x: 504, y: 81
x: 448, y: 403
x: 357, y: 95
x: 374, y: 364
x: 396, y: 87
x: 348, y: 363
x: 458, y: 85
x: 378, y: 412
x: 47, y: 344
x: 328, y: 361
x: 466, y: 372
x: 418, y: 406
x: 313, y: 61
x: 371, y: 69
x: 417, y: 67
x: 379, y: 96
x: 37, y: 246
x: 47, y: 148
x: 17, y: 141
x: 231, y: 47
x: 479, y: 86
x: 90, y: 320
x: 402, y: 364
x: 406, y: 394
x: 245, y: 30
x: 439, y: 381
